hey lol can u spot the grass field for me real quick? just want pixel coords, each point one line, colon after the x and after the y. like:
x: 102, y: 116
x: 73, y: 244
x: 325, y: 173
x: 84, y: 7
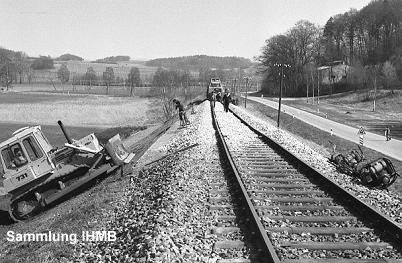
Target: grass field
x: 355, y: 109
x: 81, y: 114
x: 75, y: 110
x: 316, y: 138
x: 68, y: 88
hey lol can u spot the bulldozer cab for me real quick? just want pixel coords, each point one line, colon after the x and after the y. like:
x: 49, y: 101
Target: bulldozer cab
x: 24, y: 157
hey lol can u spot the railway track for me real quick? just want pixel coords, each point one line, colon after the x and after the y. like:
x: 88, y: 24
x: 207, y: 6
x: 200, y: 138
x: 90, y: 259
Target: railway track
x: 291, y: 211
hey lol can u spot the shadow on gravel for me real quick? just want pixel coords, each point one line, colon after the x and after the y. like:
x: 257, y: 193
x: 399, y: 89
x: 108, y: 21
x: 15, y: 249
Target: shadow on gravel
x: 4, y: 218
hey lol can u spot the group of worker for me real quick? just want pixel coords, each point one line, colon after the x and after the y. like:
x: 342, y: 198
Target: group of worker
x: 226, y: 99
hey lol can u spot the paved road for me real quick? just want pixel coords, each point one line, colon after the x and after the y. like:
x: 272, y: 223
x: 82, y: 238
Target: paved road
x: 376, y: 142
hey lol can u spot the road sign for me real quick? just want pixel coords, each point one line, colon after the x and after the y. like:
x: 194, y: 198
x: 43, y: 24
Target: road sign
x: 361, y: 131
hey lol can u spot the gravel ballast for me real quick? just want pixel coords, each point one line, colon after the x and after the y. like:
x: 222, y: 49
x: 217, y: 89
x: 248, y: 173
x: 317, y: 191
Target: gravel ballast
x: 239, y: 138
x: 164, y: 215
x: 388, y: 203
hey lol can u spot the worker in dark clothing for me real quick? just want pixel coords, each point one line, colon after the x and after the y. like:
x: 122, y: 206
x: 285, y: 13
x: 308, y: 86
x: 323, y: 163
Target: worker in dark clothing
x: 226, y: 100
x: 218, y: 96
x: 182, y: 114
x: 19, y: 159
x: 213, y: 99
x: 387, y: 134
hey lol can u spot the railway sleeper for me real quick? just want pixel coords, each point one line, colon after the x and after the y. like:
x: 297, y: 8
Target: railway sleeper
x: 335, y: 246
x: 298, y: 207
x: 242, y: 156
x: 314, y: 219
x: 274, y: 175
x: 228, y: 244
x: 262, y: 160
x: 274, y: 170
x: 234, y: 260
x: 291, y: 186
x: 225, y: 230
x: 281, y: 180
x: 321, y: 230
x: 286, y: 192
x: 294, y: 199
x: 340, y: 260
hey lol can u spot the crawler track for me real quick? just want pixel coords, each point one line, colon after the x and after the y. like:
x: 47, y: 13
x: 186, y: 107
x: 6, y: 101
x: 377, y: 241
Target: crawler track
x: 296, y: 213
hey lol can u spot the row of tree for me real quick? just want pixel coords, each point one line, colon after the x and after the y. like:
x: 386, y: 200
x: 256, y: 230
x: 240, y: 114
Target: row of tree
x: 369, y: 41
x: 108, y: 78
x: 17, y: 66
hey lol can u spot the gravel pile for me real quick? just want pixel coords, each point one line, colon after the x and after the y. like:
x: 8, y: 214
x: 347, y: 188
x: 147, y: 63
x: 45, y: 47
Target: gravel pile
x: 237, y: 137
x: 164, y: 215
x: 387, y: 202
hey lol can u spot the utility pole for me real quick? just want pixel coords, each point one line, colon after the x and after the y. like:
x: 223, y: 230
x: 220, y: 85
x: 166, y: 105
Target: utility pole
x: 312, y: 83
x: 307, y: 88
x: 280, y: 89
x: 318, y: 86
x: 245, y: 101
x: 375, y: 87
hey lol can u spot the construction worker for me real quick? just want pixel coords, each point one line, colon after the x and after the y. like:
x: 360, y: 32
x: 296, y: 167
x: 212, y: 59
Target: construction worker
x: 387, y: 134
x: 213, y: 99
x: 182, y: 114
x: 226, y: 100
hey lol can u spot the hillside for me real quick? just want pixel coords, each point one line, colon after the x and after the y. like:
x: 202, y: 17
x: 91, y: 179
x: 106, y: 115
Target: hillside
x: 68, y: 57
x: 200, y: 62
x: 113, y: 59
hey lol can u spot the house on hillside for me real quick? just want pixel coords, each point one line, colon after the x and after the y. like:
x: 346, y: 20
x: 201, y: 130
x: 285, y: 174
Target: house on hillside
x: 335, y: 72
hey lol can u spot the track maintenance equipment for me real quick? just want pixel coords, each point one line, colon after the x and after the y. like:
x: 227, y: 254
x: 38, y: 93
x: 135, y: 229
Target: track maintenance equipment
x: 379, y: 173
x: 36, y: 175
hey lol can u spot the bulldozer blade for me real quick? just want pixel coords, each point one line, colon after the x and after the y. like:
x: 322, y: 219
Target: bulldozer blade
x: 117, y: 151
x: 85, y: 179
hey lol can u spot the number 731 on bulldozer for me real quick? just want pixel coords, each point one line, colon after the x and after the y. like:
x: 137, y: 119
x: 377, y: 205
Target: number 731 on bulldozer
x: 36, y: 175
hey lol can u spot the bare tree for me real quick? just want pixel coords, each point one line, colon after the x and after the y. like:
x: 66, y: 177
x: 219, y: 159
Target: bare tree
x: 389, y: 73
x: 134, y: 79
x: 108, y: 78
x: 21, y: 64
x: 63, y: 74
x: 7, y: 68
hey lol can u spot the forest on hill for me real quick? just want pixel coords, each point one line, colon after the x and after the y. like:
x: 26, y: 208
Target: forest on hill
x: 113, y: 59
x: 200, y: 62
x: 369, y: 41
x: 68, y: 57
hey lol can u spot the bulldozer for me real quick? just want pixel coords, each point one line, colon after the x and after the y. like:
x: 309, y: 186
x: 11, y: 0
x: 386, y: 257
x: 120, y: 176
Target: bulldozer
x: 379, y: 173
x: 35, y: 174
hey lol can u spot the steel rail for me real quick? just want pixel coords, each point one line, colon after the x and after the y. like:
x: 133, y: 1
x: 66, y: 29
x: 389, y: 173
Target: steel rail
x: 267, y: 248
x: 381, y: 221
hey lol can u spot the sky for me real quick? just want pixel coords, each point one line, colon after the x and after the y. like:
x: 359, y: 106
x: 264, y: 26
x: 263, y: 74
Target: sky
x: 147, y: 29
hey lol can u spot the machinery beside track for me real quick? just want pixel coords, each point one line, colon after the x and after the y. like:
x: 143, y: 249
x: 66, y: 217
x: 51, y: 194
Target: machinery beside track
x: 379, y: 173
x: 300, y: 214
x: 35, y: 175
x: 214, y: 86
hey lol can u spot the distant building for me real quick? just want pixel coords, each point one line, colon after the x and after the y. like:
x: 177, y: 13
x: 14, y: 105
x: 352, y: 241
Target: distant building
x: 336, y: 71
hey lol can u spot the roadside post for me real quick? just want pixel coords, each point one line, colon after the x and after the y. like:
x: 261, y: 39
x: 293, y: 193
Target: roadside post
x: 361, y: 133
